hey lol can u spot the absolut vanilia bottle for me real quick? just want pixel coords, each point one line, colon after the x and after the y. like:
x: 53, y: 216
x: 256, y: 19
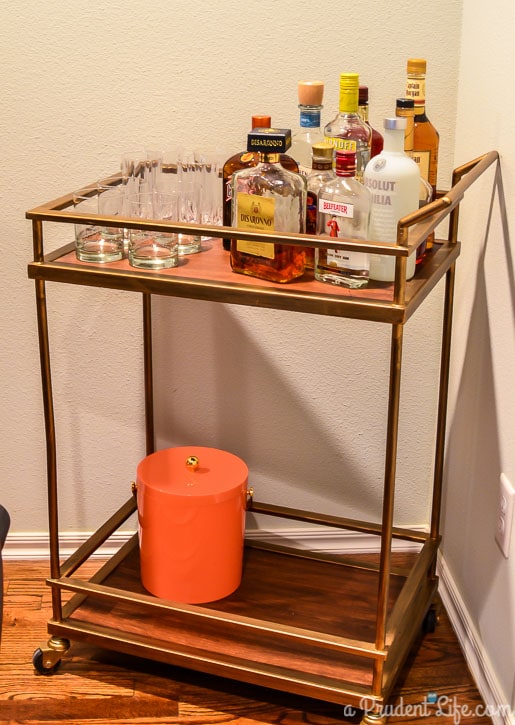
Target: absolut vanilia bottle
x: 343, y: 211
x: 268, y: 198
x: 393, y: 179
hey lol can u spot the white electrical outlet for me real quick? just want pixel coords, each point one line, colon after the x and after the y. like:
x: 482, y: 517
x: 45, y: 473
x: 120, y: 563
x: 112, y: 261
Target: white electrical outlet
x: 504, y: 518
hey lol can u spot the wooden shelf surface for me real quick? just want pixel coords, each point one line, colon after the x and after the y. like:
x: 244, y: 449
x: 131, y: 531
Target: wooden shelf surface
x: 276, y: 589
x: 208, y: 276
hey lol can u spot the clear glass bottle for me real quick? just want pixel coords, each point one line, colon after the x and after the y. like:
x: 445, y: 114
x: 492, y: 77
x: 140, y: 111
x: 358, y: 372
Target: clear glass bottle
x: 343, y: 211
x: 321, y: 173
x: 377, y: 142
x: 393, y: 179
x: 310, y: 94
x: 268, y: 197
x: 347, y: 130
x: 426, y: 138
x: 245, y: 160
x: 405, y: 108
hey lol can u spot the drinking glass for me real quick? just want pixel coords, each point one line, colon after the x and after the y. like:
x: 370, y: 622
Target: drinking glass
x: 93, y: 241
x: 153, y: 249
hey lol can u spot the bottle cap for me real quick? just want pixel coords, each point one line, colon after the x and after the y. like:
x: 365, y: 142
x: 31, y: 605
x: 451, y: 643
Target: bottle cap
x: 269, y: 140
x: 395, y: 124
x: 363, y: 95
x: 416, y: 65
x: 310, y: 93
x: 349, y: 81
x: 323, y: 150
x: 405, y: 103
x: 261, y: 121
x: 345, y: 162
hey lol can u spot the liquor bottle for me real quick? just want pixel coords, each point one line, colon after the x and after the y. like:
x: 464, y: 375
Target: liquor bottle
x: 425, y: 136
x: 343, y: 211
x: 393, y: 178
x: 347, y: 130
x: 268, y: 197
x: 377, y: 142
x: 310, y: 94
x: 405, y: 108
x: 245, y: 160
x: 321, y: 172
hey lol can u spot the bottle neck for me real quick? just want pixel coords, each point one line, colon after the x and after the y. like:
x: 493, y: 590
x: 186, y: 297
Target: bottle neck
x: 394, y: 140
x: 265, y: 157
x: 363, y: 111
x: 322, y: 164
x: 409, y: 115
x: 416, y: 89
x: 349, y: 100
x: 310, y: 116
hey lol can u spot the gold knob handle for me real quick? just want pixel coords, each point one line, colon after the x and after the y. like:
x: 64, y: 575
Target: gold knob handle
x: 192, y: 463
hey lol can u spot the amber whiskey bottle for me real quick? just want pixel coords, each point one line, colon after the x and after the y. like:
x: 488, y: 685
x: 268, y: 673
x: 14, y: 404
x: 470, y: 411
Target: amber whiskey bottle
x: 244, y: 160
x: 268, y: 198
x: 425, y: 136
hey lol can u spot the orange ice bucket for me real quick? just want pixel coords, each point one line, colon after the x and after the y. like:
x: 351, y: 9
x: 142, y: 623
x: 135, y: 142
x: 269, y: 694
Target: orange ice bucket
x: 191, y: 523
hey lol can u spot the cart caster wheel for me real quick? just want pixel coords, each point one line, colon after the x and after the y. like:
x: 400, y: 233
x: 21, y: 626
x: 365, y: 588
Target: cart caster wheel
x: 47, y: 658
x: 371, y: 719
x: 430, y: 621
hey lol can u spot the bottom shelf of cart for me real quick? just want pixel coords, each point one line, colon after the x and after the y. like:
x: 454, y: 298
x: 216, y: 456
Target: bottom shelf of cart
x: 303, y: 626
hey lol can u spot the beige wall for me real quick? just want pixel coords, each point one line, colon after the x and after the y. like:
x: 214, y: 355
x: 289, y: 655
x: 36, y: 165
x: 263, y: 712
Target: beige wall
x: 301, y: 398
x: 482, y: 430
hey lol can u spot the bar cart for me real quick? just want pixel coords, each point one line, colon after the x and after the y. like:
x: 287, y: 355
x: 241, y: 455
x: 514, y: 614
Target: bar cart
x: 350, y: 660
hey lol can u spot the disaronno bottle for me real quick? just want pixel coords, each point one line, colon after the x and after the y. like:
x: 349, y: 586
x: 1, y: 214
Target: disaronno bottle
x: 268, y: 198
x: 243, y: 160
x: 393, y: 178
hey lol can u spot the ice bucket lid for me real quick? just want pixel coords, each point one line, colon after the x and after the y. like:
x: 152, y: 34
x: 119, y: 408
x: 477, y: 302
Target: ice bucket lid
x: 208, y: 475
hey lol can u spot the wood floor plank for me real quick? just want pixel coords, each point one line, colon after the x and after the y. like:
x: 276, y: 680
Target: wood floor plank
x: 103, y: 687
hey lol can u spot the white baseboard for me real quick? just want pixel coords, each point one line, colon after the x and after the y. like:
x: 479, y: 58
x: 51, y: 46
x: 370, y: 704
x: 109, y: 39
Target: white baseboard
x: 475, y: 656
x: 34, y: 546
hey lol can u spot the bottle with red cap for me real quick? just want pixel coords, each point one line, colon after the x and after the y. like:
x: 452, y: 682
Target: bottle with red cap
x: 343, y: 211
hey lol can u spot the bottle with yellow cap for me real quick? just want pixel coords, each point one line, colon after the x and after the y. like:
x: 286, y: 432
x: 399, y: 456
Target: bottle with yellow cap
x: 347, y: 131
x: 425, y: 136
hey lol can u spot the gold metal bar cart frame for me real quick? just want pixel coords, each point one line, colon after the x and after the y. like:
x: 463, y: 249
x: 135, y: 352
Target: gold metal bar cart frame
x: 335, y: 663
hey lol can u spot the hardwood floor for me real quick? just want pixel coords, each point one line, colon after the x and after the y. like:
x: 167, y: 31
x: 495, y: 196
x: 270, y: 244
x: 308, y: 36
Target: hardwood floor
x: 101, y: 686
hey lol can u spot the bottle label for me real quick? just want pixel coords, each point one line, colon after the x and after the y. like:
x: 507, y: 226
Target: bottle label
x: 347, y: 144
x: 335, y: 208
x: 422, y: 159
x: 342, y: 259
x: 416, y: 89
x: 310, y: 120
x: 255, y: 213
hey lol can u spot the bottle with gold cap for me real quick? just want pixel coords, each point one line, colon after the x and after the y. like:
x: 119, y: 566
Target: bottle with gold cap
x: 425, y: 136
x: 245, y: 160
x: 310, y: 94
x: 321, y: 173
x: 348, y: 131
